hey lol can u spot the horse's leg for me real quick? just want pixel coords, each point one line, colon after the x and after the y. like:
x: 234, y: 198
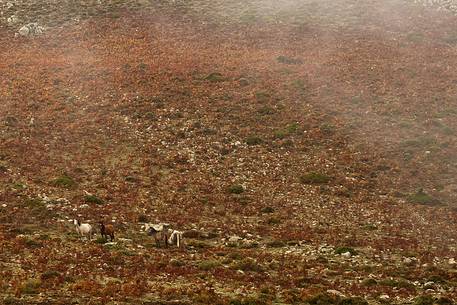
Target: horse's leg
x: 157, y: 240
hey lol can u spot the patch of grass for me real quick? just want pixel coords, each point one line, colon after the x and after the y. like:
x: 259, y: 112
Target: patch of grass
x: 235, y: 255
x: 215, y: 77
x: 19, y: 186
x: 253, y: 140
x: 396, y: 283
x: 276, y: 244
x: 198, y: 244
x: 64, y: 181
x: 288, y: 60
x: 369, y: 282
x: 421, y: 197
x: 267, y: 210
x: 249, y: 300
x: 247, y: 264
x: 444, y: 301
x: 419, y: 143
x: 262, y: 96
x: 49, y: 274
x: 101, y: 240
x: 9, y: 300
x: 266, y: 110
x: 131, y: 179
x: 208, y: 265
x: 93, y: 199
x: 236, y: 189
x: 327, y: 128
x: 32, y: 243
x: 415, y: 37
x: 34, y: 203
x: 353, y: 301
x: 314, y: 178
x: 424, y: 300
x: 298, y: 84
x: 322, y: 299
x: 280, y: 134
x: 287, y: 131
x: 370, y: 227
x: 143, y: 218
x: 341, y: 250
x: 273, y: 221
x: 31, y: 286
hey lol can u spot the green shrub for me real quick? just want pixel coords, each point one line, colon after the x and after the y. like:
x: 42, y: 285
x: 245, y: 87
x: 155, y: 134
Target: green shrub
x: 424, y: 300
x: 276, y: 244
x: 267, y: 210
x: 288, y: 60
x: 208, y: 265
x: 93, y: 199
x: 236, y: 189
x: 101, y: 240
x: 215, y: 77
x: 323, y: 299
x: 247, y: 264
x: 314, y: 178
x: 262, y: 96
x: 266, y: 110
x: 49, y: 274
x: 353, y: 301
x: 421, y: 197
x: 327, y: 129
x: 31, y: 286
x: 444, y: 301
x: 253, y: 140
x: 369, y: 282
x: 249, y: 300
x: 143, y: 218
x: 273, y: 221
x: 396, y: 283
x: 64, y: 181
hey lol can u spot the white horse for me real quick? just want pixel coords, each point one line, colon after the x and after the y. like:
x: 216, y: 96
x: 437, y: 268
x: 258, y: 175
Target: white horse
x: 83, y: 229
x: 176, y: 239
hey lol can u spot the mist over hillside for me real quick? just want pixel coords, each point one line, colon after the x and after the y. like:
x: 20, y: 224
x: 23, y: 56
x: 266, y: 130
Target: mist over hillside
x: 305, y: 150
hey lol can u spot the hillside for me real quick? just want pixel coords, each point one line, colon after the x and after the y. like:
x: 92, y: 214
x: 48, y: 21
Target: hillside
x: 307, y: 149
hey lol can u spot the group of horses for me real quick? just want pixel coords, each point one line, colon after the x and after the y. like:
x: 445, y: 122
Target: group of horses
x: 161, y: 232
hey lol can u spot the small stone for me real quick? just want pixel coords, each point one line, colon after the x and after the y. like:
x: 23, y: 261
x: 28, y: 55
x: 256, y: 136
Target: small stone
x: 407, y: 261
x: 346, y: 254
x: 31, y: 29
x: 452, y: 261
x: 336, y: 292
x: 384, y: 297
x: 12, y: 19
x: 243, y: 82
x: 429, y: 285
x: 234, y: 238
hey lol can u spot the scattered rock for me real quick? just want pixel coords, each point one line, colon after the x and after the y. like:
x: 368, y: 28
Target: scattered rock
x: 12, y: 19
x: 429, y: 285
x: 234, y: 238
x: 346, y: 254
x: 336, y: 292
x: 31, y: 29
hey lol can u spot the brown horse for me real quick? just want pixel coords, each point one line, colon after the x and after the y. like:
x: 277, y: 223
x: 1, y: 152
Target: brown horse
x: 107, y: 230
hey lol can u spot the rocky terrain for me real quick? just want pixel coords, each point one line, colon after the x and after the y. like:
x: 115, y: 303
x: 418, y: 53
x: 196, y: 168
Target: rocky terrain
x: 305, y: 148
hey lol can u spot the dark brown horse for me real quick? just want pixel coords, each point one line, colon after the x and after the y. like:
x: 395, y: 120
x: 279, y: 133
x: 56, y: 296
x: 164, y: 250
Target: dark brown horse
x: 107, y: 230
